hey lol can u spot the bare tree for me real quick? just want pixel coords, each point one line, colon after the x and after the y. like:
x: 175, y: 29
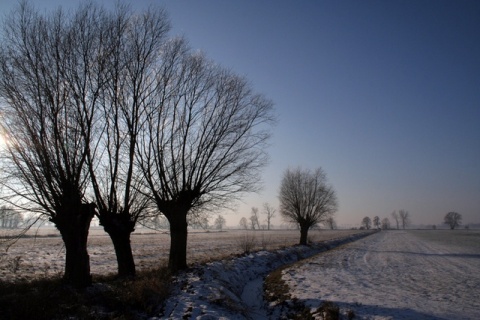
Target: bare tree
x: 254, y: 219
x: 396, y: 218
x: 243, y: 223
x: 269, y: 211
x: 199, y: 220
x: 306, y: 199
x: 453, y: 219
x: 133, y: 43
x: 367, y: 223
x: 404, y: 218
x: 330, y: 223
x: 46, y: 163
x: 204, y: 140
x: 376, y: 222
x: 220, y: 222
x: 385, y: 223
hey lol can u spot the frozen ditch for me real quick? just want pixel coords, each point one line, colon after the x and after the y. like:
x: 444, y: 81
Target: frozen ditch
x: 233, y: 289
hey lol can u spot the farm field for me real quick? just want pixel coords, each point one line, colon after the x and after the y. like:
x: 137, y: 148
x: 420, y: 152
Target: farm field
x: 415, y: 274
x: 42, y: 254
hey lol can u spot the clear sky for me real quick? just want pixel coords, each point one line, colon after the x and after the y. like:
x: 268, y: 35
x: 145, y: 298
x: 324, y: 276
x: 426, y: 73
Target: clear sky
x: 383, y: 95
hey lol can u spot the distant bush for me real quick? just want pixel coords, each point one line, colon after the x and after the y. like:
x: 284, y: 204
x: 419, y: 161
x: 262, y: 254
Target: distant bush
x: 247, y: 243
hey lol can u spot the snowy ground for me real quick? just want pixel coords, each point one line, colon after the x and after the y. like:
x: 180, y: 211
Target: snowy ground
x: 396, y: 275
x: 233, y: 288
x: 430, y: 274
x: 43, y: 253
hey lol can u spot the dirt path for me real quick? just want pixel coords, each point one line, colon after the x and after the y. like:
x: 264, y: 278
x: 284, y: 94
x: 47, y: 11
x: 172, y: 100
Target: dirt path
x: 392, y: 275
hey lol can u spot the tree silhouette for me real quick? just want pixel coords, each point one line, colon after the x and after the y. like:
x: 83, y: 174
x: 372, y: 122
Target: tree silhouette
x: 306, y: 199
x: 453, y: 219
x: 203, y: 140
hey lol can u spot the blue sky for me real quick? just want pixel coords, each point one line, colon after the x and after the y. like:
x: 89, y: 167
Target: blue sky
x: 383, y: 95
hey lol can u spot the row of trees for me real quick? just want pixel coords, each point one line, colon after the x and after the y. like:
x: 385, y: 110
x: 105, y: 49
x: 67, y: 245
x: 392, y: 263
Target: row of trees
x: 269, y: 212
x: 106, y: 115
x: 452, y: 219
x: 401, y: 219
x: 10, y: 218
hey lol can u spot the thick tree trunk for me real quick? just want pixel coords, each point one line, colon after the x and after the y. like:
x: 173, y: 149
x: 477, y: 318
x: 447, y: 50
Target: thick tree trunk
x: 178, y: 242
x: 119, y: 227
x: 304, y: 234
x: 73, y: 227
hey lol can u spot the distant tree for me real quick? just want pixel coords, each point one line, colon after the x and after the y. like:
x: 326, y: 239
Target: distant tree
x: 367, y: 223
x: 376, y: 222
x: 404, y: 218
x: 453, y: 219
x: 330, y: 223
x: 255, y: 224
x: 306, y: 199
x: 156, y: 222
x: 243, y: 223
x: 219, y: 222
x: 269, y: 211
x: 385, y: 223
x: 396, y: 218
x: 199, y: 220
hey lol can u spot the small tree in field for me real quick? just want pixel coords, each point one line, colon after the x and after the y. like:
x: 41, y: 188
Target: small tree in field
x: 243, y: 223
x: 385, y: 223
x: 220, y: 222
x: 254, y: 219
x: 453, y: 219
x: 404, y: 218
x: 376, y: 222
x: 330, y: 223
x: 396, y: 218
x: 367, y: 223
x: 306, y: 199
x: 269, y: 211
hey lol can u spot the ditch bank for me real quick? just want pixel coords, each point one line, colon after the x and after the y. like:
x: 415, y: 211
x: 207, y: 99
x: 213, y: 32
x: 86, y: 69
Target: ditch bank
x: 233, y: 289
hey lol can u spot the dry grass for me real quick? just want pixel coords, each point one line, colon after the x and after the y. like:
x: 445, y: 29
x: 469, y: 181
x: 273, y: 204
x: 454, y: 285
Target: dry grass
x: 109, y: 298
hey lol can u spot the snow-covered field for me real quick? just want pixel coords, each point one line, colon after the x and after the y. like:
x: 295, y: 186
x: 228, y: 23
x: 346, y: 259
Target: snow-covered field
x: 429, y: 274
x: 395, y: 275
x: 44, y: 255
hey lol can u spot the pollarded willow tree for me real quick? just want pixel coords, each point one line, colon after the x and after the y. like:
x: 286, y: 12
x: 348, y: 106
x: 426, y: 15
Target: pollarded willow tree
x: 203, y: 141
x: 46, y: 155
x: 131, y: 50
x: 306, y: 199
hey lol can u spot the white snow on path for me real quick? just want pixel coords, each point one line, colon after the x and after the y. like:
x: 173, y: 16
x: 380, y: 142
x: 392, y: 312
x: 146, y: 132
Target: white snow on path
x: 233, y: 289
x: 392, y: 275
